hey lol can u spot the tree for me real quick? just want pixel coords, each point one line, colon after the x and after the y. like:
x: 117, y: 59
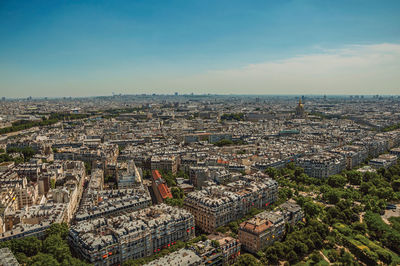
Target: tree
x: 381, y: 231
x: 58, y: 229
x: 360, y: 227
x: 22, y: 258
x: 384, y: 256
x: 285, y: 194
x: 121, y: 147
x: 333, y: 255
x: 315, y: 257
x: 369, y: 176
x: 57, y: 247
x: 88, y: 168
x: 28, y: 152
x: 316, y: 239
x: 174, y: 202
x: 42, y: 259
x: 223, y: 142
x: 366, y: 187
x: 337, y: 181
x: 300, y: 248
x: 177, y: 192
x: 30, y: 246
x: 215, y: 243
x: 346, y: 258
x: 354, y: 177
x: 233, y: 116
x: 298, y: 171
x: 396, y: 184
x: 332, y: 196
x: 292, y: 257
x: 310, y: 244
x: 247, y: 260
x: 272, y: 172
x: 311, y: 209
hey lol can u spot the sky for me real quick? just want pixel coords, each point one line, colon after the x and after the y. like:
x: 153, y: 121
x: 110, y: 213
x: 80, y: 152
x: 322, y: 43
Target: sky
x: 89, y: 48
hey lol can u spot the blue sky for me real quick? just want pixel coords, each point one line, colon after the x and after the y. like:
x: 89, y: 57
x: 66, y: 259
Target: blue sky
x: 83, y: 48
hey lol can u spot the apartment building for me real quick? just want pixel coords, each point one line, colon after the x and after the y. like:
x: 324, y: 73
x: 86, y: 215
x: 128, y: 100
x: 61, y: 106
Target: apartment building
x: 132, y: 235
x: 354, y: 155
x: 323, y: 164
x: 95, y: 204
x: 215, y: 206
x: 164, y: 163
x: 267, y: 227
x: 383, y: 160
x: 229, y: 246
x: 130, y: 177
x: 33, y: 221
x: 198, y: 175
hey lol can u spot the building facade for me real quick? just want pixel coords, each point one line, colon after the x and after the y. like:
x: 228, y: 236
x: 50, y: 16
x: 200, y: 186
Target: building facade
x: 267, y: 227
x: 215, y: 206
x: 132, y: 235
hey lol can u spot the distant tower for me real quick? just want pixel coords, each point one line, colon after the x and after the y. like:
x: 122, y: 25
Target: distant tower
x: 300, y: 109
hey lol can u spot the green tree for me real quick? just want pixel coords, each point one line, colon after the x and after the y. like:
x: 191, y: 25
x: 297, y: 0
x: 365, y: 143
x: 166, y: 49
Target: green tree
x: 300, y: 248
x: 316, y: 239
x: 247, y: 260
x: 223, y: 142
x: 88, y: 168
x: 396, y: 184
x: 359, y: 227
x: 381, y: 231
x: 57, y: 247
x: 346, y: 258
x: 272, y: 172
x: 42, y: 259
x: 354, y: 177
x: 177, y: 192
x: 215, y: 243
x: 28, y: 152
x: 332, y: 196
x: 292, y: 257
x: 333, y: 255
x: 337, y: 181
x: 29, y: 246
x: 311, y: 209
x: 58, y: 229
x: 315, y: 257
x: 298, y: 171
x: 22, y: 258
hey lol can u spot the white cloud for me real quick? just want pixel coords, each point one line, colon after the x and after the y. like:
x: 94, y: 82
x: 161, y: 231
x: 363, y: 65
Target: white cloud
x: 356, y: 69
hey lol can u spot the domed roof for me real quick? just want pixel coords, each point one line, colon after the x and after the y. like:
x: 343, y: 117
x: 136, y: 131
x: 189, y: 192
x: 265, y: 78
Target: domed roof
x: 300, y: 109
x: 300, y: 104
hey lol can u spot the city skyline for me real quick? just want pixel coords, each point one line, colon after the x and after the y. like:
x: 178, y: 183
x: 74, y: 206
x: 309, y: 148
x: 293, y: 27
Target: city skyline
x: 264, y: 47
x: 199, y: 132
